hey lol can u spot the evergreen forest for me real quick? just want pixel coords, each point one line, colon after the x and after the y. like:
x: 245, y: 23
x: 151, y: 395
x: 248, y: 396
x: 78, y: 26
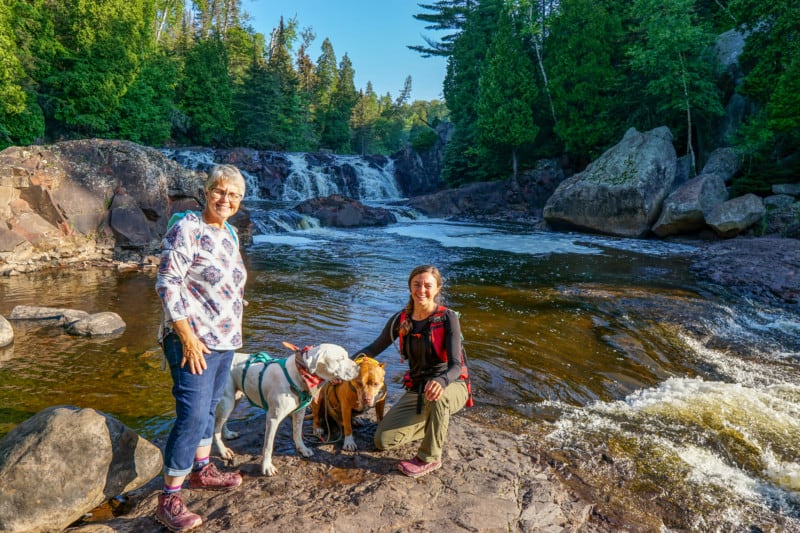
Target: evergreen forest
x: 526, y: 80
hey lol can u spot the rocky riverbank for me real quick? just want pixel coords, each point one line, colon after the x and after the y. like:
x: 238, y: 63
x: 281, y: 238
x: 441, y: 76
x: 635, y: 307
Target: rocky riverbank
x: 492, y: 480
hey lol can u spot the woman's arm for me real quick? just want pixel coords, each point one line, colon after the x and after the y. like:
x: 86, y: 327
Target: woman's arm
x: 386, y: 337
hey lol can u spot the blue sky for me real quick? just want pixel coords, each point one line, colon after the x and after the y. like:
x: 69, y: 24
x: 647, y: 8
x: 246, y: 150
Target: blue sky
x: 374, y: 34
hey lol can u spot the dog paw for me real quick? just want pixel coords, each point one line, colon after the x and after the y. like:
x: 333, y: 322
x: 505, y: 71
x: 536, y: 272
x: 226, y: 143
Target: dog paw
x: 227, y: 454
x: 268, y: 470
x: 349, y: 444
x: 305, y: 451
x: 228, y: 434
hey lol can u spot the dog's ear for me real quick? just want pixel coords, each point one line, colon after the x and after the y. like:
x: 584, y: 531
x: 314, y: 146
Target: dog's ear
x: 291, y: 346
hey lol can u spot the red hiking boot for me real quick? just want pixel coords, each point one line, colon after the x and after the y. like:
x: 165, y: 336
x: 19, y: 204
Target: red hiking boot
x: 174, y: 515
x: 209, y: 477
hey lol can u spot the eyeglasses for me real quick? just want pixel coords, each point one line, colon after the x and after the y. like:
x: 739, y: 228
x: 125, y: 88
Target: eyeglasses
x: 232, y: 196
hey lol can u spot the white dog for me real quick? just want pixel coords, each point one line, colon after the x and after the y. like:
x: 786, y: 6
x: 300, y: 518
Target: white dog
x: 285, y: 386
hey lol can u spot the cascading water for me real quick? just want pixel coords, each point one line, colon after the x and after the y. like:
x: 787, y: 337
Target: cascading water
x: 307, y: 176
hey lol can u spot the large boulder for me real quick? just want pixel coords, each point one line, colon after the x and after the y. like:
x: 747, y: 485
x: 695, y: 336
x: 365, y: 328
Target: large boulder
x: 63, y: 462
x: 685, y: 209
x: 733, y: 217
x: 338, y: 211
x: 6, y: 332
x: 724, y: 162
x: 622, y: 192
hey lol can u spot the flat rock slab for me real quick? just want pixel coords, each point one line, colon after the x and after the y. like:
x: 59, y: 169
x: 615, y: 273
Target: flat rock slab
x: 489, y: 482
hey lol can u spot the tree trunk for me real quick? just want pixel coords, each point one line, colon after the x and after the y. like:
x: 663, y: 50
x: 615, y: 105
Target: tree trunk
x: 689, y: 147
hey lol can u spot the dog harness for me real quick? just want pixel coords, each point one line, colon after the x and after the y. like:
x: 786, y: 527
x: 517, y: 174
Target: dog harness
x: 263, y: 357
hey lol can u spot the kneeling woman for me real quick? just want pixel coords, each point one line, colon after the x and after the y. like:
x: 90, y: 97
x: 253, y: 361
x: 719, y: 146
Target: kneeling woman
x: 429, y: 335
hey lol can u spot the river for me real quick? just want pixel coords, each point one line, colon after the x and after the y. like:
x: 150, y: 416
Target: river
x: 632, y: 371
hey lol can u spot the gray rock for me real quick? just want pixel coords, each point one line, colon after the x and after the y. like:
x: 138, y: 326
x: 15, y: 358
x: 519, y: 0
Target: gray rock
x: 490, y: 481
x: 723, y: 162
x: 778, y: 201
x: 106, y: 323
x: 685, y: 209
x: 792, y: 189
x: 6, y: 332
x: 63, y: 462
x: 58, y: 315
x: 622, y: 192
x: 735, y: 216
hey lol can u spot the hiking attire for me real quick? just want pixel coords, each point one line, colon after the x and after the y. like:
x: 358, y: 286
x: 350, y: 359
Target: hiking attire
x: 434, y: 352
x: 201, y: 278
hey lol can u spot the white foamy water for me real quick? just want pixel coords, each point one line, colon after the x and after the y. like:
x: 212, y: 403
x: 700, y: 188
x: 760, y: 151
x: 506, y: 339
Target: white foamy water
x: 465, y: 235
x: 741, y: 439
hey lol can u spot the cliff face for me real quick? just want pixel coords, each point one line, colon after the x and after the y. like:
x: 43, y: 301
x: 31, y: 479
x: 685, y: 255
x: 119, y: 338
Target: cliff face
x: 88, y: 201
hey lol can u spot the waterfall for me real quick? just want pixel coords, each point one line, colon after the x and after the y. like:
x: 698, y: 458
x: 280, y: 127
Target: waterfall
x: 297, y: 176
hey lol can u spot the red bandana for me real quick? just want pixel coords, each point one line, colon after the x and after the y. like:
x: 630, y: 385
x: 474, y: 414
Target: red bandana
x: 311, y: 380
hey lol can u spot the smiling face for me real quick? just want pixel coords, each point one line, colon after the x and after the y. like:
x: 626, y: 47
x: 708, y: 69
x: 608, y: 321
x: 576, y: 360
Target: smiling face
x: 222, y: 201
x: 424, y: 289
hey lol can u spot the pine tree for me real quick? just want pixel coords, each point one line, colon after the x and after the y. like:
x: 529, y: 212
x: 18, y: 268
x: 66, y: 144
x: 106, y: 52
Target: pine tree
x: 675, y: 62
x: 101, y: 46
x: 464, y: 157
x: 206, y: 93
x: 145, y: 111
x: 586, y: 74
x: 362, y: 121
x: 336, y: 132
x: 447, y: 15
x: 507, y: 95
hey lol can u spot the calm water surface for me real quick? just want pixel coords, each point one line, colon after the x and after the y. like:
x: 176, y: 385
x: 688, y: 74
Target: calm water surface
x: 607, y: 343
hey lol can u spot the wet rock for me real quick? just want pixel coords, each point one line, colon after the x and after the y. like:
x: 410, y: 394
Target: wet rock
x: 6, y: 332
x: 57, y: 315
x: 63, y: 462
x: 764, y: 268
x: 98, y: 324
x: 342, y: 212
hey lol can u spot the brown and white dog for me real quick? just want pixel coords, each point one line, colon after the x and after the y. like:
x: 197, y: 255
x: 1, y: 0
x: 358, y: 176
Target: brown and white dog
x: 339, y: 401
x: 306, y: 369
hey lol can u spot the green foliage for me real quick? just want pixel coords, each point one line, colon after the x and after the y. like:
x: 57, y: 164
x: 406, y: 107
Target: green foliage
x: 205, y: 93
x: 588, y: 85
x: 673, y: 59
x: 507, y: 93
x: 422, y: 138
x: 525, y: 79
x: 101, y: 46
x: 770, y: 140
x: 145, y: 111
x: 462, y: 161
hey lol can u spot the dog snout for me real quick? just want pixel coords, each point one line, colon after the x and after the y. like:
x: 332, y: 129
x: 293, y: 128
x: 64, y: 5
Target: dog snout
x: 369, y: 401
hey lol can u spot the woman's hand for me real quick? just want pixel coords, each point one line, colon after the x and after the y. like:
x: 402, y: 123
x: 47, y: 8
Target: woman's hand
x: 194, y: 353
x: 194, y: 350
x: 433, y: 390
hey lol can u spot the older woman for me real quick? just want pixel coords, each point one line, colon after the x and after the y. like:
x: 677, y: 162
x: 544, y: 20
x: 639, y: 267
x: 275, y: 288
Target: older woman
x: 201, y: 282
x: 437, y: 379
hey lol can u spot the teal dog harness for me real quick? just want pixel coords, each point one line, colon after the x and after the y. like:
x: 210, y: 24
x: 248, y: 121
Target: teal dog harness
x: 266, y: 360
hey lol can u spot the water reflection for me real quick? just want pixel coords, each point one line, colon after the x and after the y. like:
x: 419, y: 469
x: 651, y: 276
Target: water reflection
x: 613, y: 341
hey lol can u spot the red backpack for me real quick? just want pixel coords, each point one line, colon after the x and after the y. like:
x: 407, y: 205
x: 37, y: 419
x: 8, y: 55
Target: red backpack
x: 437, y: 331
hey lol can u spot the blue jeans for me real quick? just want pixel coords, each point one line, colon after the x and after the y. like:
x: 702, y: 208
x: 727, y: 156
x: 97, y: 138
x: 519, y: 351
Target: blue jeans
x: 196, y: 399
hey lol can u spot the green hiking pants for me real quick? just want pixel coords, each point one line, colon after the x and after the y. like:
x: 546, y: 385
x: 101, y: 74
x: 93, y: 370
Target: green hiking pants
x: 402, y: 424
